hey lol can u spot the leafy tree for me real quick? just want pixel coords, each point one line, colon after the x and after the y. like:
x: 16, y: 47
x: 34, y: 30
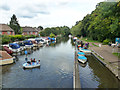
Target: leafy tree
x: 103, y: 23
x: 15, y: 25
x: 52, y: 35
x: 41, y: 28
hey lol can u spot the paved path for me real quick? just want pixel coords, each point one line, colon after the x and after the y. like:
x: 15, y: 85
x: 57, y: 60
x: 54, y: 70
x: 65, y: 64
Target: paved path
x: 106, y: 52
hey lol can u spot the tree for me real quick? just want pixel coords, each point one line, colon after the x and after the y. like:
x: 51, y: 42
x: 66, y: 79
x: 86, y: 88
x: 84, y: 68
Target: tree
x: 40, y: 27
x: 52, y: 35
x: 15, y: 25
x: 103, y: 23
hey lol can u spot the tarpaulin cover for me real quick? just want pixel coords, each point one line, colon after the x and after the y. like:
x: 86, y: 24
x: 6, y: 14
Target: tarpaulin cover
x: 14, y: 45
x: 82, y: 57
x: 81, y: 53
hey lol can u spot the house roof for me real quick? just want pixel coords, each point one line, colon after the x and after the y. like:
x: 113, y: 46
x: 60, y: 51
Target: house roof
x: 5, y: 27
x: 29, y: 29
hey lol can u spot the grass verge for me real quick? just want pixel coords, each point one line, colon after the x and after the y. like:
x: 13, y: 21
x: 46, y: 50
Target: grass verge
x: 89, y: 40
x: 117, y: 54
x: 95, y: 45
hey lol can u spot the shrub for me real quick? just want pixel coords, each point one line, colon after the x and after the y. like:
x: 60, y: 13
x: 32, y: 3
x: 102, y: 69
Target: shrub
x: 5, y: 39
x: 106, y: 41
x: 30, y: 36
x: 52, y: 35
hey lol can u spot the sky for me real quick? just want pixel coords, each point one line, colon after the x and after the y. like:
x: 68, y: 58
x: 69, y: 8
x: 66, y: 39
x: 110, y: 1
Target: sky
x: 46, y: 13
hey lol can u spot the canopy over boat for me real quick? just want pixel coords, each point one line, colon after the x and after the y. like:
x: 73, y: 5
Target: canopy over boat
x: 28, y: 42
x: 82, y: 57
x: 14, y: 45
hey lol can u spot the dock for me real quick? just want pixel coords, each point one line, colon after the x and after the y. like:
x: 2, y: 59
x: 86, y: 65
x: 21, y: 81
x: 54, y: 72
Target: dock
x: 76, y: 77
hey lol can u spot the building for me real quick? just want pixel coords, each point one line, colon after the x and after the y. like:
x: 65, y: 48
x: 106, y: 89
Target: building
x: 29, y: 31
x: 6, y: 30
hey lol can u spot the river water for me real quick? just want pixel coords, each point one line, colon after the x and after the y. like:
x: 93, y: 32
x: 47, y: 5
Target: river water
x: 56, y: 70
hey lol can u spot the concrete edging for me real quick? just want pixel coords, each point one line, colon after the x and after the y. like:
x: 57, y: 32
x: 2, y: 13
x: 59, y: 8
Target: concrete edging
x: 108, y: 66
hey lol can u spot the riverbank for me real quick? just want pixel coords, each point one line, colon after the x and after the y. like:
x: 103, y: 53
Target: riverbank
x: 105, y: 55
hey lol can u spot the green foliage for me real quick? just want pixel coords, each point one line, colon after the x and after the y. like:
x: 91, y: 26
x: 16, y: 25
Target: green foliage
x: 15, y: 25
x: 30, y: 36
x: 106, y: 41
x: 52, y: 35
x: 5, y: 39
x: 64, y: 31
x: 103, y: 23
x: 41, y: 28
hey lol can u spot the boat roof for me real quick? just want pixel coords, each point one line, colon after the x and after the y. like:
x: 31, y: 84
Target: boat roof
x: 4, y: 55
x: 15, y: 45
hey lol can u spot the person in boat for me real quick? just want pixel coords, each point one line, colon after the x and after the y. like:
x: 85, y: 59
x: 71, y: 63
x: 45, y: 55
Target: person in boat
x: 29, y: 62
x: 33, y: 60
x: 81, y: 44
x: 86, y: 45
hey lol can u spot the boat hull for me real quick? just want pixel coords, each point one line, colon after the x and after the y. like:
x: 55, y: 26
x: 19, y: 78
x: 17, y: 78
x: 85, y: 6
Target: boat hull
x: 82, y: 60
x: 26, y: 65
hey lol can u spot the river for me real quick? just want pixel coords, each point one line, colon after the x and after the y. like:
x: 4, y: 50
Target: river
x: 56, y: 70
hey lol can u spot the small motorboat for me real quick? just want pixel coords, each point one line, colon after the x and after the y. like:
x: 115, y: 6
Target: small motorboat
x: 82, y: 59
x: 30, y: 64
x: 85, y: 50
x: 8, y: 50
x: 81, y: 53
x: 28, y: 43
x: 14, y: 47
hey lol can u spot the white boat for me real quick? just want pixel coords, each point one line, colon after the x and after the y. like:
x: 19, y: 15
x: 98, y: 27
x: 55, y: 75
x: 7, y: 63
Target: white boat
x: 28, y: 44
x: 82, y: 59
x: 85, y: 50
x: 14, y: 47
x: 31, y: 65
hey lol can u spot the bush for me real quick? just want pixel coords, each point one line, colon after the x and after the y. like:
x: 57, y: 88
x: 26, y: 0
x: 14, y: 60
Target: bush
x: 5, y: 39
x: 52, y: 35
x: 106, y: 41
x: 30, y: 36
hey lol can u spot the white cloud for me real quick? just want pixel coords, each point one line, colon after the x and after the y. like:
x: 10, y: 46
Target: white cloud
x: 46, y: 12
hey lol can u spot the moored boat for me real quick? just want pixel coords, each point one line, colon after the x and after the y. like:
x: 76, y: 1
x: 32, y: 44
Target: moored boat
x: 28, y: 44
x: 7, y: 50
x: 82, y: 59
x: 81, y: 54
x: 85, y: 50
x: 14, y: 47
x: 5, y: 58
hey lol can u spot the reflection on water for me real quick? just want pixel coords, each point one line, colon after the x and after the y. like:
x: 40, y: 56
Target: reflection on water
x: 95, y: 75
x: 56, y: 70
